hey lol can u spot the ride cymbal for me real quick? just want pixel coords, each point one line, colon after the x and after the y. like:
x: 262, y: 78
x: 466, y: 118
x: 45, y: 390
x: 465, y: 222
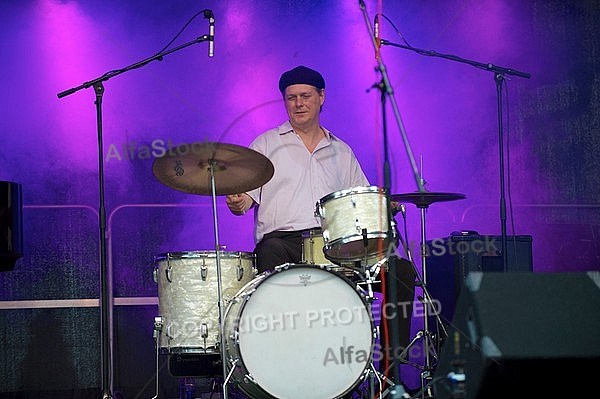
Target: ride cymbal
x: 424, y: 199
x: 236, y: 169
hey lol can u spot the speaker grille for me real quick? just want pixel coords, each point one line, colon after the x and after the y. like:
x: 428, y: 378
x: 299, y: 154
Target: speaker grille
x: 511, y: 331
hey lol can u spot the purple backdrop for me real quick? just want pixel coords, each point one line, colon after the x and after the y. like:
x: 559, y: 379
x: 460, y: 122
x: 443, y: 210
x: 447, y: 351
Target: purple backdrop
x: 449, y: 110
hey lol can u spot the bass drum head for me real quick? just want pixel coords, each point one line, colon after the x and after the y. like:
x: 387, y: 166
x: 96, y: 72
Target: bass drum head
x: 302, y: 332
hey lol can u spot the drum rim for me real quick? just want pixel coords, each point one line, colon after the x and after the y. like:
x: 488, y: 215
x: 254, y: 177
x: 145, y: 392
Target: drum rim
x: 191, y: 350
x: 198, y: 254
x: 310, y: 232
x: 353, y: 238
x: 353, y: 190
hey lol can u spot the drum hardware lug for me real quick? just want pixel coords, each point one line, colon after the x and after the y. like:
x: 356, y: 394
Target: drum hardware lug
x: 357, y: 225
x: 204, y: 335
x: 203, y: 272
x: 158, y: 325
x: 285, y: 266
x: 249, y: 379
x: 168, y: 268
x: 169, y: 333
x: 235, y: 337
x: 319, y: 211
x: 353, y: 201
x: 240, y: 273
x: 155, y: 275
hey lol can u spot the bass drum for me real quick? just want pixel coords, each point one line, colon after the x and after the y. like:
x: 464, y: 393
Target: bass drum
x: 298, y: 332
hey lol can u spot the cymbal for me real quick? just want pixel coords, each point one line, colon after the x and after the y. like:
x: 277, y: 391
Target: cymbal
x: 424, y: 199
x: 237, y: 169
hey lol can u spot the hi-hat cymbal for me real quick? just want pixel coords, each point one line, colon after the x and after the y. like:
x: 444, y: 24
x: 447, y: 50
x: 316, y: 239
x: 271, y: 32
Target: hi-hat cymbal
x: 237, y: 169
x: 424, y: 199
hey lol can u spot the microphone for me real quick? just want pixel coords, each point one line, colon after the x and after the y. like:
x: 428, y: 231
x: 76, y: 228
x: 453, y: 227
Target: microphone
x: 211, y: 32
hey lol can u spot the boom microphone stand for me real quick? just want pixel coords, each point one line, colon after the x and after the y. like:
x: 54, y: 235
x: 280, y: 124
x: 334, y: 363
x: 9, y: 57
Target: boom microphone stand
x: 387, y: 91
x: 106, y: 296
x: 499, y: 75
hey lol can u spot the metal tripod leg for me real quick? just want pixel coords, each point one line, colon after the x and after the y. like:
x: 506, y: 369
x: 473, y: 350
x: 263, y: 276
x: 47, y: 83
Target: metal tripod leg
x: 158, y: 325
x: 395, y: 390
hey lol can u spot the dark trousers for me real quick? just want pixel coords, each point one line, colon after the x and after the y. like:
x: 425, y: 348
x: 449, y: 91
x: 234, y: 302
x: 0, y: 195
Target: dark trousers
x: 277, y: 248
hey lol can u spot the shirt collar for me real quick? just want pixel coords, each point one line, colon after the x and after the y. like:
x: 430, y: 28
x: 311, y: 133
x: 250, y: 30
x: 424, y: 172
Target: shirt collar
x: 286, y: 128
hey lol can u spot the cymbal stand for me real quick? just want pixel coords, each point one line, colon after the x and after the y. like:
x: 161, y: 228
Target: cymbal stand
x: 158, y: 326
x: 425, y: 334
x: 419, y: 283
x: 371, y: 273
x: 212, y: 165
x: 427, y: 337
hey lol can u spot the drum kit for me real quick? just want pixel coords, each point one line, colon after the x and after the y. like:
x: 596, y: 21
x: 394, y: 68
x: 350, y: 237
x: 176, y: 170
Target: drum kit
x: 304, y: 330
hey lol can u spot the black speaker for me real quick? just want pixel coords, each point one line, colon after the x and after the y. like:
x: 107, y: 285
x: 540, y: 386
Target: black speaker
x: 522, y: 335
x: 11, y: 225
x: 452, y: 258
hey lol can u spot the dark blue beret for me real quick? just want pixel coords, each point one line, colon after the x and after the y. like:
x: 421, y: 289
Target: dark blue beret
x: 301, y: 75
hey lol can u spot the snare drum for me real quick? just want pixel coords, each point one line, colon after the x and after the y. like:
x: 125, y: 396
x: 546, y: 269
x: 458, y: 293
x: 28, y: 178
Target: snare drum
x: 312, y: 253
x: 355, y: 224
x: 188, y: 296
x: 312, y: 248
x: 298, y: 332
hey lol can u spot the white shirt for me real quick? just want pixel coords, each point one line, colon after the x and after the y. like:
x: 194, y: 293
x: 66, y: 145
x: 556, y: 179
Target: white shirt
x: 288, y: 201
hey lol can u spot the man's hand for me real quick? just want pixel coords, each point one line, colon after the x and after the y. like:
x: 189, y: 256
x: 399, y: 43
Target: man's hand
x: 239, y: 203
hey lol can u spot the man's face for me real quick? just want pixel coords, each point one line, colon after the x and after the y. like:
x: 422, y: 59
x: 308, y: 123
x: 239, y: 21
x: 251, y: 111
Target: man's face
x: 303, y: 104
